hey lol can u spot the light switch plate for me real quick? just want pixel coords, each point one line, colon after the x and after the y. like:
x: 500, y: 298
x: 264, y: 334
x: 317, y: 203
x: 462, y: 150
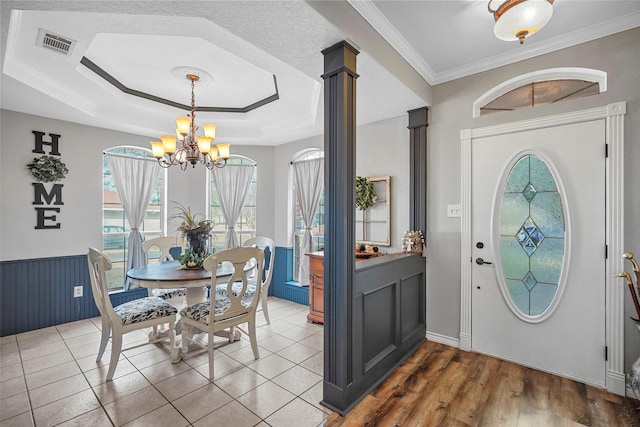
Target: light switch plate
x: 453, y: 211
x: 77, y: 291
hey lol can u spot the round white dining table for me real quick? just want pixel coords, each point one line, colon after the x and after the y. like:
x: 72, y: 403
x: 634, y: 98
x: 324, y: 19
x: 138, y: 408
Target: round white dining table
x: 169, y: 275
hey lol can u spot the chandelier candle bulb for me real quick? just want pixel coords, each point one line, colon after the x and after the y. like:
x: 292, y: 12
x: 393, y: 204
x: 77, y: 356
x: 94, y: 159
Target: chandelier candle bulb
x: 204, y: 144
x: 156, y: 148
x: 210, y: 131
x: 182, y: 125
x: 224, y: 151
x: 169, y: 143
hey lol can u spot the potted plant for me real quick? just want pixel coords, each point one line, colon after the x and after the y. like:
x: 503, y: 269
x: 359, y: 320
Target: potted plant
x: 196, y: 230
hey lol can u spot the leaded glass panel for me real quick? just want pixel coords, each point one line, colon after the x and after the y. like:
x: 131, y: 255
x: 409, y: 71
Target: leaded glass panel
x: 532, y: 232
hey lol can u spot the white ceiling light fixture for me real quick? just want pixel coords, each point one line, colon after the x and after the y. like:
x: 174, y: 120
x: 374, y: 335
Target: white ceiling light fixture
x: 194, y: 149
x: 517, y: 19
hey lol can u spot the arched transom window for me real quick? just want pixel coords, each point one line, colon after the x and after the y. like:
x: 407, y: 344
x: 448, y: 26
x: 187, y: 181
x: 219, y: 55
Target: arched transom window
x: 541, y: 88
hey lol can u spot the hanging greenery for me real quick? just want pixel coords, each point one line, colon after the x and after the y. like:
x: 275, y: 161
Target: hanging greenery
x: 365, y: 193
x: 48, y: 169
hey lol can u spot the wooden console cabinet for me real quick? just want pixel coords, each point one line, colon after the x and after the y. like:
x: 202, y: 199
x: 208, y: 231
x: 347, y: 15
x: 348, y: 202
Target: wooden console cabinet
x: 316, y: 287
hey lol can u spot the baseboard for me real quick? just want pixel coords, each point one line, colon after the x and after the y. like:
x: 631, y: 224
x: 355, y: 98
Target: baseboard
x: 443, y: 339
x: 616, y: 383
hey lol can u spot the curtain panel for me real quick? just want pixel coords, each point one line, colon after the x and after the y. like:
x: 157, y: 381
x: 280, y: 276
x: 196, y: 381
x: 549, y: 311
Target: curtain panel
x: 135, y: 178
x: 309, y: 175
x: 232, y: 183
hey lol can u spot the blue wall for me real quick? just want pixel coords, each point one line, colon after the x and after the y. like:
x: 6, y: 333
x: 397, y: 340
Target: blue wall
x: 37, y: 293
x: 282, y: 285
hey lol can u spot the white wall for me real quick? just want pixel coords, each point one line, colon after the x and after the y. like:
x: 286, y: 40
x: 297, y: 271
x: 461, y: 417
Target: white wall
x: 619, y: 56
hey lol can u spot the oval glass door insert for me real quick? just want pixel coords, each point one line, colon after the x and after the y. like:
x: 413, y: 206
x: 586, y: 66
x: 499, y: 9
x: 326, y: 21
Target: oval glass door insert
x: 532, y: 236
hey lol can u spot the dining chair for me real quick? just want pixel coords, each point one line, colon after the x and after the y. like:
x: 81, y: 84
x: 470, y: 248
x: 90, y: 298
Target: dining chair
x: 268, y: 246
x: 174, y: 295
x: 127, y: 317
x: 219, y: 312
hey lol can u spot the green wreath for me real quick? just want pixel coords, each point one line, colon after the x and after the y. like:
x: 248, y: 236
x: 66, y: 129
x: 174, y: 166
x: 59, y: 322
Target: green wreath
x: 47, y: 169
x: 364, y: 193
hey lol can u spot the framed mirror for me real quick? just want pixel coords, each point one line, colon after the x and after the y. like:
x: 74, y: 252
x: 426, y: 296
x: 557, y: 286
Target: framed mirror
x: 373, y: 225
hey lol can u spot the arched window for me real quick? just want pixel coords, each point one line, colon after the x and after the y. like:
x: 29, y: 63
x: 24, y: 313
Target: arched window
x: 540, y: 88
x: 317, y: 225
x: 115, y: 227
x: 246, y: 225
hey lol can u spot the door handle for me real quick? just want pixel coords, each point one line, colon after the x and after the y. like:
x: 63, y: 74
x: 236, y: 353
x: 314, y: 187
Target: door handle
x: 480, y: 261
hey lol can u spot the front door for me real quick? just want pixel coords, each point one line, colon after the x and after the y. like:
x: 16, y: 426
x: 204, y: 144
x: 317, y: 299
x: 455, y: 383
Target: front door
x: 538, y: 236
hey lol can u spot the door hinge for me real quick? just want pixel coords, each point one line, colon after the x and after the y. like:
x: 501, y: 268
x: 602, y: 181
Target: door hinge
x: 606, y: 251
x: 606, y: 150
x: 606, y: 353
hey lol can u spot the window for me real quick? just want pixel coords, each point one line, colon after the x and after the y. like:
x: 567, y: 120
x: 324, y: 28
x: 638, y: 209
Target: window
x: 246, y: 224
x: 317, y: 226
x: 541, y: 87
x: 532, y: 236
x: 115, y: 227
x: 541, y: 93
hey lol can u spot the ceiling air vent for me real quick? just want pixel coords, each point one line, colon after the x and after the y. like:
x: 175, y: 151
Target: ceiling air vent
x: 55, y: 42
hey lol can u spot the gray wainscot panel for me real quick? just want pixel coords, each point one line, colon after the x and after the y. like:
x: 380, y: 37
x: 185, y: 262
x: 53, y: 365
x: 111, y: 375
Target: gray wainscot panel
x: 388, y: 316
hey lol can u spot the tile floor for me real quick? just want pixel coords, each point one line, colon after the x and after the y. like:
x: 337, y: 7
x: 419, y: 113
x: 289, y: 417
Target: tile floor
x: 50, y: 377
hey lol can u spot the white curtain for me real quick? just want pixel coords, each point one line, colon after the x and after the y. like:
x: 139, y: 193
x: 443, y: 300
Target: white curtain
x: 309, y: 184
x: 135, y: 178
x: 232, y: 183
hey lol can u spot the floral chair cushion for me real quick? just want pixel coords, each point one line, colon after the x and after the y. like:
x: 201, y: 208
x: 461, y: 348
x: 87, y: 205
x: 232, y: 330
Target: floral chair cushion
x: 200, y: 312
x: 236, y: 288
x: 169, y: 293
x: 143, y: 309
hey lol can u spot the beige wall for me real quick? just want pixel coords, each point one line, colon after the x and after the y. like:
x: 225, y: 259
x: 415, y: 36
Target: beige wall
x: 619, y: 56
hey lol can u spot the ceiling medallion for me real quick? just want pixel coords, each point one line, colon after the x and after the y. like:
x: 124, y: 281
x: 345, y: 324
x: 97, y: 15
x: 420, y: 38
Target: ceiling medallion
x: 204, y: 77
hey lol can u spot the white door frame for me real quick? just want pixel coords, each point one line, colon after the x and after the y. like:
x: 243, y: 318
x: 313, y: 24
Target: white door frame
x: 614, y: 172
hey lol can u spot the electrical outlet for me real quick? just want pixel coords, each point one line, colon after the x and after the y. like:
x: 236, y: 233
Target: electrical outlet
x: 77, y: 291
x: 453, y: 211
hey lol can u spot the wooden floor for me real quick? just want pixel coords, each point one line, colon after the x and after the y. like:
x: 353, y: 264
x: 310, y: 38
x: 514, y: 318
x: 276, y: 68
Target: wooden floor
x: 444, y: 386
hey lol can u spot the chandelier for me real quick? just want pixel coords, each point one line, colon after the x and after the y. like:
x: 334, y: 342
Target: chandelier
x: 517, y: 19
x: 193, y: 149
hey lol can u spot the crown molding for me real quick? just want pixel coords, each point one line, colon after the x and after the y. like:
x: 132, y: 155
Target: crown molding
x: 584, y: 35
x: 373, y: 15
x: 383, y: 27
